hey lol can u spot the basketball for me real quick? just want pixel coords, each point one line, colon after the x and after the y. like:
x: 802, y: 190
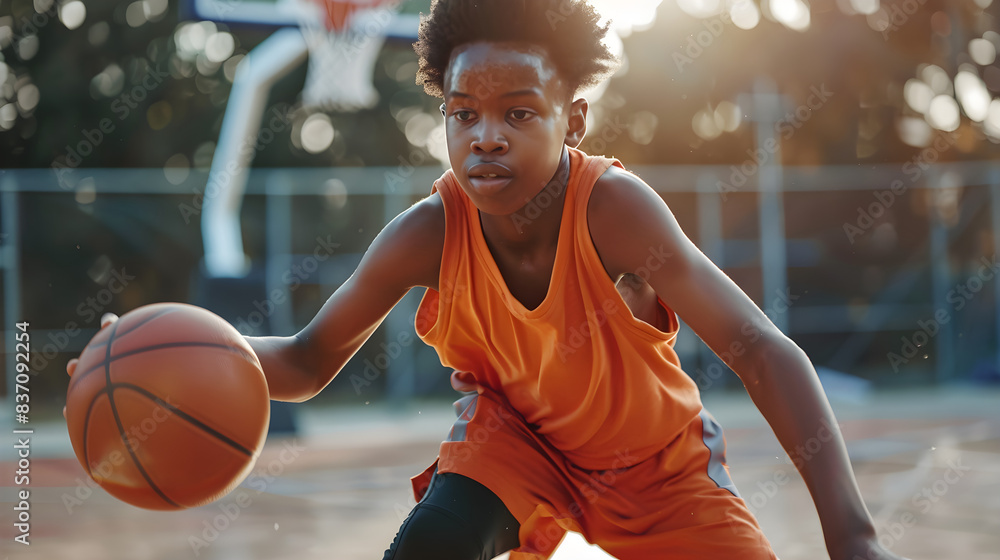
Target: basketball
x: 168, y: 407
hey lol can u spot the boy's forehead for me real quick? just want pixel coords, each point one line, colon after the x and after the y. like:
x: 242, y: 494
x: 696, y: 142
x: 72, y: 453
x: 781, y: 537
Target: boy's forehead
x: 499, y: 66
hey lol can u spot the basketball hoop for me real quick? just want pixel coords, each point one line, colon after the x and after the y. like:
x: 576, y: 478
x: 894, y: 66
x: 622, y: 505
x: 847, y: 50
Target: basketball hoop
x: 344, y: 38
x: 338, y: 12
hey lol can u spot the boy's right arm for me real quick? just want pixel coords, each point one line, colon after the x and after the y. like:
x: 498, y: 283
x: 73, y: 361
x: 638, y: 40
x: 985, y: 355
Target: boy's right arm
x: 404, y: 255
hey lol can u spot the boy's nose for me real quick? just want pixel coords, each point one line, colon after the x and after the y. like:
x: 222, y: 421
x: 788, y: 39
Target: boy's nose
x: 489, y: 140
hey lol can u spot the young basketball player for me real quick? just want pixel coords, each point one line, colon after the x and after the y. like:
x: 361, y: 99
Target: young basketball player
x: 553, y: 278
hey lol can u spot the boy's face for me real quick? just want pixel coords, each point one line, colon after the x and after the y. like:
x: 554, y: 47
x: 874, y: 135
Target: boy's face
x: 508, y: 115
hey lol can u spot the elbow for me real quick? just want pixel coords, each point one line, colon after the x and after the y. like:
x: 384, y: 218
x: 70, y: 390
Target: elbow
x: 292, y: 398
x: 318, y: 366
x: 298, y: 379
x: 302, y: 392
x: 297, y: 394
x: 771, y: 357
x: 310, y: 365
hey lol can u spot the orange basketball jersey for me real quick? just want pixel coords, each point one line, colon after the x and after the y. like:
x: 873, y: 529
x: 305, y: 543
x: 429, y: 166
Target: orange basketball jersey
x: 583, y: 372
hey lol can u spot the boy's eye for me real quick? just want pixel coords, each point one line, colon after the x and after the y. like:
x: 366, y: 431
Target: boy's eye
x: 520, y: 114
x: 463, y: 115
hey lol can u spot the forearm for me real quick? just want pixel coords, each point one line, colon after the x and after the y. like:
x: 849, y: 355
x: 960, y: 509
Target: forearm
x: 290, y: 376
x: 788, y: 393
x: 298, y: 367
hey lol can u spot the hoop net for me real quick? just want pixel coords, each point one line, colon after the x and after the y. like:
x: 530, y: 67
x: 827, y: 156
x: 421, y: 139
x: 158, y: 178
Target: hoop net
x: 344, y: 38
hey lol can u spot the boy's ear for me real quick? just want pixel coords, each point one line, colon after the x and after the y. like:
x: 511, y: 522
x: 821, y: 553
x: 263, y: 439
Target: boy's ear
x: 577, y: 122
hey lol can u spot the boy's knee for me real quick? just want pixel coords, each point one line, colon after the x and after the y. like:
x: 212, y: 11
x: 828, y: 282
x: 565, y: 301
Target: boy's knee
x: 431, y: 534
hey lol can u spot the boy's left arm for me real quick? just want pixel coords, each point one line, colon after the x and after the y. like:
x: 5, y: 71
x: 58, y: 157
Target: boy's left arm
x: 635, y: 232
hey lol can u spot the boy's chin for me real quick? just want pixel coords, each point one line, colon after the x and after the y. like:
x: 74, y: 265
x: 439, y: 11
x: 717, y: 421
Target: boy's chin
x: 497, y: 205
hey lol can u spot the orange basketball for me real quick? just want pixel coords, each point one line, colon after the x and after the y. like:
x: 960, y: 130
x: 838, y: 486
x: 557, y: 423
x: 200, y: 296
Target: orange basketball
x: 168, y: 407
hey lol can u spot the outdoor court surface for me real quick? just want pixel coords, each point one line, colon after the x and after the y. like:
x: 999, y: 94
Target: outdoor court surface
x: 928, y: 462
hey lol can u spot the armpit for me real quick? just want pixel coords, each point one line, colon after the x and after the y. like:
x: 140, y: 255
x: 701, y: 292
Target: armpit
x: 641, y: 299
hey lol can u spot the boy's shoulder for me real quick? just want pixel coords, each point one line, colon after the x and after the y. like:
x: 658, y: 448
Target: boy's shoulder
x: 618, y: 194
x: 426, y: 216
x: 423, y: 223
x: 415, y: 240
x: 623, y: 214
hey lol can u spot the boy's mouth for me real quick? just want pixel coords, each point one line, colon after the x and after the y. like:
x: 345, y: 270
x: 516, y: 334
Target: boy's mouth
x: 489, y: 178
x: 489, y: 171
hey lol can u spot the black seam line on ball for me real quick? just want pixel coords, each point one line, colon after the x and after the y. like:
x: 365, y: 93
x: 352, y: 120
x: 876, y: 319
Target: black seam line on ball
x: 108, y: 358
x: 174, y: 410
x: 118, y: 422
x: 72, y: 380
x: 136, y: 326
x: 86, y: 429
x: 86, y: 419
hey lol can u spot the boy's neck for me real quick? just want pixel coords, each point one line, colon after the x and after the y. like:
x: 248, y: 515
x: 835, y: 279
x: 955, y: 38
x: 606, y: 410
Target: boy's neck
x: 536, y: 224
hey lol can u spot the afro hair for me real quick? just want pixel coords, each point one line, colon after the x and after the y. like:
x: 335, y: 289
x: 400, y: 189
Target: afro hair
x: 569, y: 30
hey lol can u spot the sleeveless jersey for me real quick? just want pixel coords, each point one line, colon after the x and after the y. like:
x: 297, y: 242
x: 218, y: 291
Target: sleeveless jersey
x: 585, y: 374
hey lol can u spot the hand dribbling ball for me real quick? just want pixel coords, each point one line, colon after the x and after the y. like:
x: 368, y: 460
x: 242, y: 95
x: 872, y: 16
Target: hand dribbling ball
x: 168, y: 407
